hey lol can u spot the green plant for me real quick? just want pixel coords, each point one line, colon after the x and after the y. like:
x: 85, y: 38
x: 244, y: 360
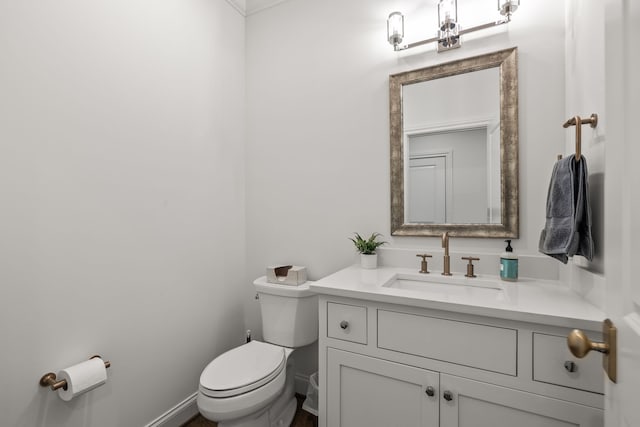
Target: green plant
x: 367, y: 246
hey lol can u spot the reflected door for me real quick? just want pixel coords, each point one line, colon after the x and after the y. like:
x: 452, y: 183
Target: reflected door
x: 426, y: 190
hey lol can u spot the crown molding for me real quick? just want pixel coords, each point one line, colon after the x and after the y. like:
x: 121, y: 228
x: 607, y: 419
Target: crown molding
x: 255, y: 6
x: 239, y: 5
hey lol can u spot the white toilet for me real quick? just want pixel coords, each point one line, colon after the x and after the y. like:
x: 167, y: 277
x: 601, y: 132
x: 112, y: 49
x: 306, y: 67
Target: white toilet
x: 253, y: 385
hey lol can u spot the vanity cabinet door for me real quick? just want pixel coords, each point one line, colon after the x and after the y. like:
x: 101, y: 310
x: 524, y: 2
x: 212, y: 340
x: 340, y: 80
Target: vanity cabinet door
x: 468, y: 403
x: 364, y: 391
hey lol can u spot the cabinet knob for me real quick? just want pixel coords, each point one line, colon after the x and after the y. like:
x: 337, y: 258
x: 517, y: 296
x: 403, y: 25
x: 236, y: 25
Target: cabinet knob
x: 570, y: 366
x: 448, y: 396
x: 344, y: 324
x: 430, y: 391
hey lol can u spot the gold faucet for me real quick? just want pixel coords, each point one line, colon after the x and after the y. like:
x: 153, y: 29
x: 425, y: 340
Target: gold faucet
x: 447, y: 259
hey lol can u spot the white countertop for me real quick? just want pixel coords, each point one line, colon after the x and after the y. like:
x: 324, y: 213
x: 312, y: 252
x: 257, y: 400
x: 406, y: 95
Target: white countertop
x: 528, y: 300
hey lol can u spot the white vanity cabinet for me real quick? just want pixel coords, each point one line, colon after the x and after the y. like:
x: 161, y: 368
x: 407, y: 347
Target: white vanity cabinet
x: 367, y: 391
x: 472, y: 403
x: 383, y: 364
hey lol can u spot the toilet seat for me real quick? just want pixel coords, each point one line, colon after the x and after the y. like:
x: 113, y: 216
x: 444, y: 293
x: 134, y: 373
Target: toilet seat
x: 242, y: 370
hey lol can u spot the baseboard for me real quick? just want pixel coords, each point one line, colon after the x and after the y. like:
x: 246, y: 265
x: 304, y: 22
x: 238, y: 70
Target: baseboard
x: 301, y: 383
x: 178, y: 415
x: 188, y: 408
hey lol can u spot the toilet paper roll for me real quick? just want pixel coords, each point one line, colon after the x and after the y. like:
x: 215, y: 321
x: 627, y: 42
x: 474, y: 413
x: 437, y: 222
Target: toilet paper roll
x: 82, y: 377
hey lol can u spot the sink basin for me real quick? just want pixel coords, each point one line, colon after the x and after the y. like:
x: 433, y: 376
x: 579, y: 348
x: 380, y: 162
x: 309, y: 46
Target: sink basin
x: 445, y: 285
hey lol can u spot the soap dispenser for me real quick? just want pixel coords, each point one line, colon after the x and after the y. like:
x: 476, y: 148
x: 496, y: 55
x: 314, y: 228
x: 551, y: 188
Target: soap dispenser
x: 509, y: 264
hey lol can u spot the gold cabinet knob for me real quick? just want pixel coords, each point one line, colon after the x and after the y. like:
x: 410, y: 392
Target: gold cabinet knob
x: 580, y: 344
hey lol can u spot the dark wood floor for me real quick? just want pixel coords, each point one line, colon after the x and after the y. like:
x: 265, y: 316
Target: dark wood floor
x: 301, y: 419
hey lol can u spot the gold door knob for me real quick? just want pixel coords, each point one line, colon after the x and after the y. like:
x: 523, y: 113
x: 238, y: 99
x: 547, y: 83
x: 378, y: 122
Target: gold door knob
x: 580, y: 344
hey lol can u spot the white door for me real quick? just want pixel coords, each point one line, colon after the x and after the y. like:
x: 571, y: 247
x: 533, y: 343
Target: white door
x: 622, y: 205
x: 364, y: 391
x: 426, y: 189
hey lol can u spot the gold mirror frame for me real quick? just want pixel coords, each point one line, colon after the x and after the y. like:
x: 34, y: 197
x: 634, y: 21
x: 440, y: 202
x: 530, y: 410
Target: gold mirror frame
x: 506, y: 61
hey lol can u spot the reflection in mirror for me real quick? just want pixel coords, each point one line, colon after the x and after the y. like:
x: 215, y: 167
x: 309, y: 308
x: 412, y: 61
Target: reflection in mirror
x: 453, y: 167
x: 454, y: 148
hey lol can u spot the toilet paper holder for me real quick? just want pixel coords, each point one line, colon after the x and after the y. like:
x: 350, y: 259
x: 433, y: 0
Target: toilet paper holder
x: 49, y: 379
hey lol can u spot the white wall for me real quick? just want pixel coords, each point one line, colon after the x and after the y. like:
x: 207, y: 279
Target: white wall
x: 122, y: 219
x: 318, y: 124
x: 585, y: 94
x: 446, y: 100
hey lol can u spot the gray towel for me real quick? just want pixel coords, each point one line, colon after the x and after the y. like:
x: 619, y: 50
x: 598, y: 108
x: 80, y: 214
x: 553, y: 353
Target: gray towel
x: 567, y: 230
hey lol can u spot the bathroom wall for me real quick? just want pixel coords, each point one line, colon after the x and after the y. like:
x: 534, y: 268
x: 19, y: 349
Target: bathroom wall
x: 318, y: 124
x: 122, y: 220
x: 585, y: 94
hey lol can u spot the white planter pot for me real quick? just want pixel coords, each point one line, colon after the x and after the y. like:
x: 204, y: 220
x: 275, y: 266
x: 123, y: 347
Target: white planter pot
x: 369, y: 261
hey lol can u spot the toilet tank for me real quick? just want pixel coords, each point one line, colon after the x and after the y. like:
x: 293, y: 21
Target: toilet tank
x: 289, y: 313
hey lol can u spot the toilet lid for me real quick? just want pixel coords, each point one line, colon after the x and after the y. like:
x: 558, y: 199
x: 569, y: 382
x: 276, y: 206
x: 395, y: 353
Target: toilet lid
x: 242, y: 369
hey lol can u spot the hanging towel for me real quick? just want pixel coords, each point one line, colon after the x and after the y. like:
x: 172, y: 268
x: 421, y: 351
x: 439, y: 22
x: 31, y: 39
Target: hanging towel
x: 567, y: 230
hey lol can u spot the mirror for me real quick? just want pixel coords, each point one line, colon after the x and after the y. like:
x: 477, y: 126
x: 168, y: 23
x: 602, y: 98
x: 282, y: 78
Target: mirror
x: 454, y: 148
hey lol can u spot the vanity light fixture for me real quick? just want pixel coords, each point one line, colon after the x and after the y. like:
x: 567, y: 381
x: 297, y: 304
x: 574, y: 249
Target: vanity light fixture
x: 449, y: 31
x: 395, y: 28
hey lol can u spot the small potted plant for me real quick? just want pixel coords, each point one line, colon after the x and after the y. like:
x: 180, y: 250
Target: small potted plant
x: 367, y: 249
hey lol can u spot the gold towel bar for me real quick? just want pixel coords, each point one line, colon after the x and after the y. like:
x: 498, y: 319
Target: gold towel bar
x: 578, y: 122
x: 49, y: 379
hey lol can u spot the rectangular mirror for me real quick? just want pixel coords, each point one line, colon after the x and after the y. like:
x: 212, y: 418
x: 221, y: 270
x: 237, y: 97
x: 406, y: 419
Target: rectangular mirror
x: 454, y: 148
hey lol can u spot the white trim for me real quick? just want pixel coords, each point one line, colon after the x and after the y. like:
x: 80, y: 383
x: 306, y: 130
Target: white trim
x: 179, y: 414
x: 494, y: 212
x: 301, y: 383
x: 267, y: 4
x: 245, y: 9
x: 481, y: 122
x: 188, y: 408
x: 239, y: 6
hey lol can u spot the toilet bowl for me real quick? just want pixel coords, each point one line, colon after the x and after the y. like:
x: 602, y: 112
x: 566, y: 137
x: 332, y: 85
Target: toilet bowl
x: 253, y: 385
x: 239, y: 385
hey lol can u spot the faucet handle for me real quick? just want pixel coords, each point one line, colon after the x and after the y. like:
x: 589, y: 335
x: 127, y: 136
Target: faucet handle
x: 423, y: 264
x: 470, y: 265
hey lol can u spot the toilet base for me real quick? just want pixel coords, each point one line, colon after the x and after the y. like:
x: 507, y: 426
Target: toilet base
x: 267, y: 418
